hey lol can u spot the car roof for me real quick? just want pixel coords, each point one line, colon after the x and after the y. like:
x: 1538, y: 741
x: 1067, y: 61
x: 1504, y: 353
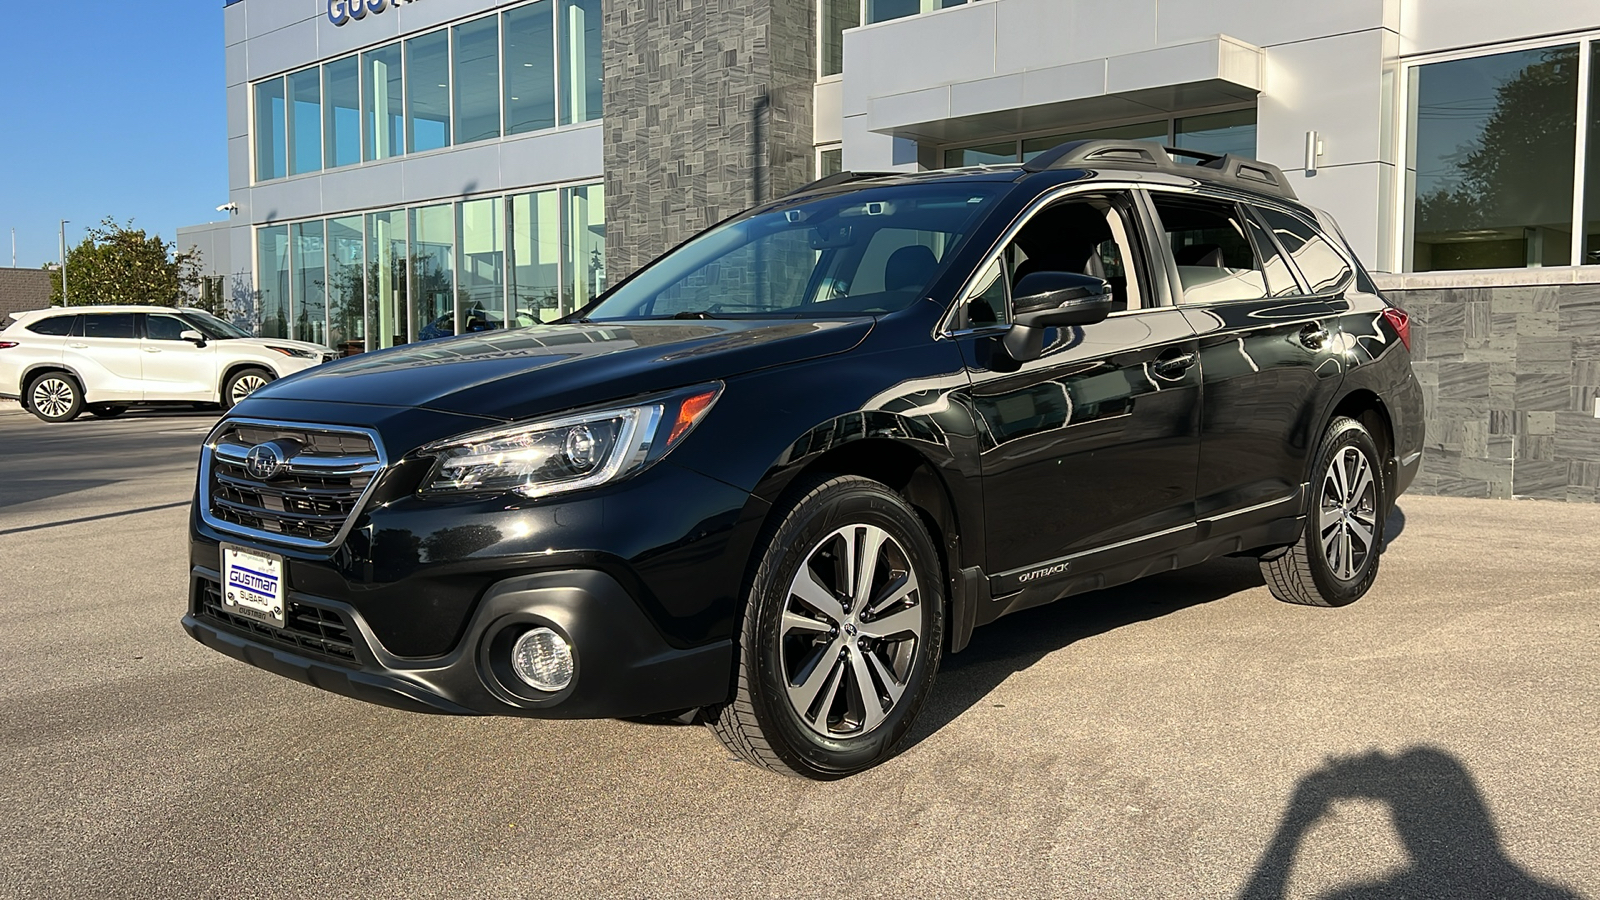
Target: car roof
x: 30, y: 314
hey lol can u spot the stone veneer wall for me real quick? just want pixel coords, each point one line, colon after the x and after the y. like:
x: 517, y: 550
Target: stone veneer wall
x: 22, y: 289
x: 1510, y: 373
x: 691, y: 86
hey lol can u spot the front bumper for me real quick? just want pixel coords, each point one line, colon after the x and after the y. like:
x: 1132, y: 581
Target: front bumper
x: 623, y: 667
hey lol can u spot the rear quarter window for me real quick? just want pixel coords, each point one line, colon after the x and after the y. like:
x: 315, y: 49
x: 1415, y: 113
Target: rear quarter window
x: 54, y: 326
x: 1321, y: 265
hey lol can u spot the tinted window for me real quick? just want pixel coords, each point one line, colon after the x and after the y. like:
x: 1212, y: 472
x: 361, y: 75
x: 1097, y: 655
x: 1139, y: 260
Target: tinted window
x: 1280, y: 283
x: 165, y: 328
x: 1209, y: 242
x: 109, y: 325
x: 58, y: 326
x: 1324, y: 269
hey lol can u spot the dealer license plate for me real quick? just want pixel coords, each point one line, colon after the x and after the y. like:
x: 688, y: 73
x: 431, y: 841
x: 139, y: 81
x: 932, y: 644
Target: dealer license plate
x: 252, y: 584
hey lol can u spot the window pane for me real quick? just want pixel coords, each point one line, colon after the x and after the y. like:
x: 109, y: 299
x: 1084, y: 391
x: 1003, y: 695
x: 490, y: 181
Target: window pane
x: 482, y: 269
x: 1226, y: 132
x: 535, y: 252
x: 1215, y: 258
x: 271, y: 137
x: 305, y: 122
x: 428, y: 92
x: 272, y: 280
x: 837, y: 15
x: 55, y: 326
x: 386, y: 279
x: 383, y: 99
x: 1142, y: 131
x: 530, y: 67
x: 585, y: 260
x: 309, y: 283
x: 1591, y: 193
x: 581, y: 81
x: 1280, y: 281
x: 477, y: 79
x: 1492, y: 147
x: 109, y: 325
x: 884, y: 10
x: 1324, y: 269
x: 341, y: 110
x: 988, y: 154
x: 830, y: 162
x: 165, y: 328
x: 433, y: 271
x: 346, y: 294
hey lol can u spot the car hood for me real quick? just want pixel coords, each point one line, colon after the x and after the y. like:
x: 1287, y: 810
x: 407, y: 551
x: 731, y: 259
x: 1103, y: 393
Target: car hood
x: 525, y: 372
x: 276, y: 342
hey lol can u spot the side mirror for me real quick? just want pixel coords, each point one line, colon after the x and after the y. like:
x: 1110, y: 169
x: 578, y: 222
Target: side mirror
x: 1053, y: 300
x: 192, y: 336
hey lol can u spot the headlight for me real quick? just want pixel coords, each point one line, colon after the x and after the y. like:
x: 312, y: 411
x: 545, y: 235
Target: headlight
x: 295, y: 352
x: 570, y: 453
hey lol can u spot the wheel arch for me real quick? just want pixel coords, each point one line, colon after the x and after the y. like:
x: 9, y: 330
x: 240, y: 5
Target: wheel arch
x: 44, y: 368
x: 1366, y: 407
x: 233, y: 368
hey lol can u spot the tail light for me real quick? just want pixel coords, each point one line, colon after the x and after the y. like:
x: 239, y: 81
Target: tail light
x: 1401, y: 322
x: 7, y: 345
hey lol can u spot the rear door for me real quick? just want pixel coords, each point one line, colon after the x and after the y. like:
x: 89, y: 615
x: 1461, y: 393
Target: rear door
x: 104, y: 351
x: 1267, y: 357
x: 176, y: 369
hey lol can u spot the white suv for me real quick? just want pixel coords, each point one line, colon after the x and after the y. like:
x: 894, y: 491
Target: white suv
x: 104, y: 359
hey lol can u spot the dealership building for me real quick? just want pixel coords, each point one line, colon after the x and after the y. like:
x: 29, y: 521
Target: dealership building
x: 402, y: 170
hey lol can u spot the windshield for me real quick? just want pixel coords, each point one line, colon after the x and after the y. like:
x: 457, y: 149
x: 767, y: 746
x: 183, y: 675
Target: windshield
x: 859, y: 253
x: 213, y: 327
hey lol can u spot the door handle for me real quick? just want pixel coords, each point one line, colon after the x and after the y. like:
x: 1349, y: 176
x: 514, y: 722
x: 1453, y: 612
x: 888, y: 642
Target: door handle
x: 78, y: 346
x: 1174, y: 366
x: 151, y: 349
x: 1314, y: 336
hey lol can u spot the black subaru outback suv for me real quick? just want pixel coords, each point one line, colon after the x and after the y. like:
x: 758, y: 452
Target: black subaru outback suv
x: 768, y: 480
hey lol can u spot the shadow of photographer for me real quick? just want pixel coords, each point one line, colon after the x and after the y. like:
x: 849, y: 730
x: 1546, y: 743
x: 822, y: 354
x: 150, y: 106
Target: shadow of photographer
x: 1442, y: 821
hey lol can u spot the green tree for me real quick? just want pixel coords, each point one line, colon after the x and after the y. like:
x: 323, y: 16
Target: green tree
x: 117, y: 263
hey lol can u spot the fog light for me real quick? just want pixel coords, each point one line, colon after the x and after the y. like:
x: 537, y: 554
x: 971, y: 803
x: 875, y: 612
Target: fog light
x: 543, y: 659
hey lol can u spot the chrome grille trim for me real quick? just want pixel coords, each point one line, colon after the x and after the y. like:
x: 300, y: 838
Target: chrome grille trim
x: 303, y: 499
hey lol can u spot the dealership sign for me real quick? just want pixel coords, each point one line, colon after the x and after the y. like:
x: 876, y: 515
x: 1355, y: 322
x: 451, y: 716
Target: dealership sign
x: 342, y: 11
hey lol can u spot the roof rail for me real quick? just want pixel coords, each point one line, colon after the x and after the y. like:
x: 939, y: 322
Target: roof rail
x: 1226, y: 168
x: 837, y: 178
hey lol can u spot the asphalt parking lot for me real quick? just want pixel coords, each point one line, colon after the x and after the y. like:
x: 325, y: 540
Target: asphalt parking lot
x: 1187, y: 736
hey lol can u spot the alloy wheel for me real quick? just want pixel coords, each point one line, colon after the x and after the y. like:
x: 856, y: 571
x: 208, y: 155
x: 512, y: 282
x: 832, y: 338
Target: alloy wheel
x: 852, y: 621
x: 52, y: 396
x: 244, y: 385
x: 1348, y: 519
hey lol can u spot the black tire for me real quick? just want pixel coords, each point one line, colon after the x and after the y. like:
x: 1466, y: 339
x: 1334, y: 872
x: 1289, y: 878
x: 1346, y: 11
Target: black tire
x: 240, y: 384
x: 895, y: 643
x: 106, y: 410
x: 1336, y: 560
x: 54, y: 397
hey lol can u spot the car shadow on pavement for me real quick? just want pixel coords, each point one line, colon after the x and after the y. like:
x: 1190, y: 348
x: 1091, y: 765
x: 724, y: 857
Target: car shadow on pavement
x: 1393, y: 526
x: 1014, y: 643
x: 1441, y: 819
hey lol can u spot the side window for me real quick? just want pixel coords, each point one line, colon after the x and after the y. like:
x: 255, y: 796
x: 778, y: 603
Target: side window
x: 55, y: 326
x: 109, y: 325
x: 165, y: 328
x: 1212, y: 248
x: 988, y: 303
x: 1088, y: 236
x: 1280, y: 281
x: 1324, y: 269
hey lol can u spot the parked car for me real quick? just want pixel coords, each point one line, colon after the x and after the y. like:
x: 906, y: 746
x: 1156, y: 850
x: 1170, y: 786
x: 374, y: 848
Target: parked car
x: 769, y: 480
x: 105, y: 359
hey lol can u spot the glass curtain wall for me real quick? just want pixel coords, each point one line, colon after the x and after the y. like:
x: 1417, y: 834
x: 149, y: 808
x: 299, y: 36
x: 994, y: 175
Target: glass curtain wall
x: 272, y: 141
x: 884, y: 10
x: 309, y: 283
x: 383, y: 98
x: 305, y: 122
x: 387, y: 323
x: 535, y: 289
x: 433, y: 271
x: 585, y: 257
x: 1225, y: 132
x: 581, y: 76
x: 837, y: 15
x: 341, y: 108
x: 347, y: 298
x: 1233, y: 131
x: 530, y: 67
x: 1492, y: 160
x: 272, y: 280
x: 481, y: 269
x: 428, y: 92
x: 476, y: 60
x: 1591, y: 195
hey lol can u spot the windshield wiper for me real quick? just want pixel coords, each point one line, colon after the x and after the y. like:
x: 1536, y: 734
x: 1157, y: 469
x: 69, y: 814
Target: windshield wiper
x: 693, y: 314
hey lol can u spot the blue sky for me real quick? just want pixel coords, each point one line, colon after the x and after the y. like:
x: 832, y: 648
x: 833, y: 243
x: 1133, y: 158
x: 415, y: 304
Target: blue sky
x: 109, y: 109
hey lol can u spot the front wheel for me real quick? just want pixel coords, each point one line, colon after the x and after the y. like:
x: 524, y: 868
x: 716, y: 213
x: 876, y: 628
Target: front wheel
x: 841, y: 633
x: 242, y: 384
x: 1336, y: 560
x: 55, y: 397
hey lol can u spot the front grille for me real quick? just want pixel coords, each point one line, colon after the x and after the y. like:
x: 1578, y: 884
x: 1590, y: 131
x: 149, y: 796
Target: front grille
x: 310, y: 502
x: 306, y: 628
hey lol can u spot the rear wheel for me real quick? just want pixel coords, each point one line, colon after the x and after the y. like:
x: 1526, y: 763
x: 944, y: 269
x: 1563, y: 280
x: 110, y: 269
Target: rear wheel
x: 1336, y: 560
x: 242, y: 383
x: 106, y: 410
x: 841, y: 634
x: 55, y: 397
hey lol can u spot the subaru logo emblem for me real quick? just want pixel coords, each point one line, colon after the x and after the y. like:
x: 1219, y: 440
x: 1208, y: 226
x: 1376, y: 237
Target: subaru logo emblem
x: 264, y: 461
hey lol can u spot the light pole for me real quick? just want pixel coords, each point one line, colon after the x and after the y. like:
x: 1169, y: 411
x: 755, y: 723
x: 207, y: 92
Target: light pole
x: 64, y: 301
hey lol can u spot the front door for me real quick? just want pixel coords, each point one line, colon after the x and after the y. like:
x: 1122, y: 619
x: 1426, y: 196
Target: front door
x: 176, y: 369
